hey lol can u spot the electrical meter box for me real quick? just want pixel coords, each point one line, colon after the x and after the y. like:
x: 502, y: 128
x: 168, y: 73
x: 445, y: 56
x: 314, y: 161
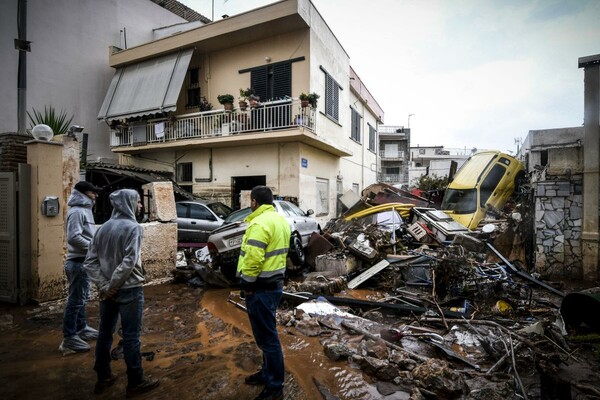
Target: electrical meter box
x: 50, y: 206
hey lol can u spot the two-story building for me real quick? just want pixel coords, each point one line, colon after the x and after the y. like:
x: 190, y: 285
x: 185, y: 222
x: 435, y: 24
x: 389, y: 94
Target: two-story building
x: 163, y: 110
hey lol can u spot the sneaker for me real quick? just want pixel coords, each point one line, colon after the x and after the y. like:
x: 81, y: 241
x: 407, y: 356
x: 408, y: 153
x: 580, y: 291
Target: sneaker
x: 144, y: 386
x: 255, y: 379
x: 88, y: 333
x: 101, y: 385
x: 73, y: 344
x: 270, y: 394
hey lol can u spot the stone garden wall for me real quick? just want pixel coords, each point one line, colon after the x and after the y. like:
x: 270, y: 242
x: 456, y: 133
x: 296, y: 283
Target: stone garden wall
x: 558, y: 220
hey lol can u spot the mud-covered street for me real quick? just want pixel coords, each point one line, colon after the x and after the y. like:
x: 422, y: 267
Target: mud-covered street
x: 197, y: 344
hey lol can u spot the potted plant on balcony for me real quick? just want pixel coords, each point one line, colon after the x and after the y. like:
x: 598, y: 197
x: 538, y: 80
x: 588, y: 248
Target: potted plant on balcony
x: 226, y: 100
x: 244, y: 95
x: 308, y: 99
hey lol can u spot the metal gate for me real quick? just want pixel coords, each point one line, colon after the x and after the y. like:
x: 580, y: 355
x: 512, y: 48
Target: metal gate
x: 8, y: 237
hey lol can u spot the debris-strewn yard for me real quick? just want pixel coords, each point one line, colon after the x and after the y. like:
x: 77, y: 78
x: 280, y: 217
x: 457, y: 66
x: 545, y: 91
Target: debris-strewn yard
x: 425, y: 308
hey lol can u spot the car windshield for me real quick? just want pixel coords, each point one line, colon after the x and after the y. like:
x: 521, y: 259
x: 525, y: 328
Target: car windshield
x: 460, y: 201
x: 238, y: 215
x: 220, y: 209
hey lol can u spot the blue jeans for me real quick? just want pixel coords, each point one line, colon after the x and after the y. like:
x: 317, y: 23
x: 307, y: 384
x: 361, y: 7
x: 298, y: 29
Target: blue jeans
x: 79, y: 289
x: 261, y: 306
x: 129, y: 304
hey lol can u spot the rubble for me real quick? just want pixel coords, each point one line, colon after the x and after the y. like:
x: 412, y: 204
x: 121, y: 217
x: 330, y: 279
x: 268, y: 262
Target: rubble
x: 430, y: 309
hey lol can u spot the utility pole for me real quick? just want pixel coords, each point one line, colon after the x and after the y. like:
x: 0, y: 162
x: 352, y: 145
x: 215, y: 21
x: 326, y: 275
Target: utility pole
x: 23, y: 46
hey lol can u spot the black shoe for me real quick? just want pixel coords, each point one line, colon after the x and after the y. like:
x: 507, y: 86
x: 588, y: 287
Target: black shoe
x: 255, y: 379
x: 144, y: 386
x: 269, y: 394
x: 101, y: 385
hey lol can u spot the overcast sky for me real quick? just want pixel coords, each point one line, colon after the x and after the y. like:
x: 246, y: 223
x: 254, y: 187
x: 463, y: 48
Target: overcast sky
x: 475, y: 73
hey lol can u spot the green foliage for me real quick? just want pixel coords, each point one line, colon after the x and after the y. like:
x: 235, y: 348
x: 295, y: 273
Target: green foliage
x: 246, y: 93
x: 204, y: 105
x: 59, y: 123
x: 426, y: 182
x: 311, y: 97
x: 225, y: 98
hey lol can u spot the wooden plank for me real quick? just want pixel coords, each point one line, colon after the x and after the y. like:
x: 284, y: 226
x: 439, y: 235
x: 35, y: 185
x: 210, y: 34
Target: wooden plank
x: 375, y: 269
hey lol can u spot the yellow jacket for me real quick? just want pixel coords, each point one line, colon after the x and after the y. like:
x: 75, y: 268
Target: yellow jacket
x: 264, y: 249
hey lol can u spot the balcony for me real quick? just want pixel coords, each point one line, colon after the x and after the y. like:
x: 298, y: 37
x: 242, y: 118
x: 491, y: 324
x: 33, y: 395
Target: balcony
x: 269, y: 116
x: 390, y: 178
x: 391, y: 155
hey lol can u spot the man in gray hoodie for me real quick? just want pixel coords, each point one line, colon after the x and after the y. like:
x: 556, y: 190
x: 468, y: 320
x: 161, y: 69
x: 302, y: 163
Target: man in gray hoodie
x: 80, y: 231
x: 113, y: 264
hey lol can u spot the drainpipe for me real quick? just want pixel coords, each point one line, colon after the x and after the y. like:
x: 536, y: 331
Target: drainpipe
x: 591, y: 166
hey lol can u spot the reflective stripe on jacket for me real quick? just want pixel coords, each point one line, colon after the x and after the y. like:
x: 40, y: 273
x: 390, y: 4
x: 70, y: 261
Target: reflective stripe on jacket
x: 264, y: 246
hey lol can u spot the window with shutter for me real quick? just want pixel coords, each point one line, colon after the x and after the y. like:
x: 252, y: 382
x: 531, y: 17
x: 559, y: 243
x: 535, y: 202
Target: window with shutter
x: 355, y: 125
x: 372, y: 137
x: 273, y: 82
x: 332, y: 97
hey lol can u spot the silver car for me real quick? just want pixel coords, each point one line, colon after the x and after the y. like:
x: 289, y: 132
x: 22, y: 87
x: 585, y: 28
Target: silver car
x: 224, y: 243
x: 196, y: 219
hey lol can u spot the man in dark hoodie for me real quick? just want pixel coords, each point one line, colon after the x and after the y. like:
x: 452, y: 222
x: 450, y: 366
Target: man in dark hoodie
x: 113, y: 264
x: 80, y: 231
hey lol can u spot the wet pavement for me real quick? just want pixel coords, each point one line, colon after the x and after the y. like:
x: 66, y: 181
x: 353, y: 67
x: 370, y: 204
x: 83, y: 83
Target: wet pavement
x: 202, y: 348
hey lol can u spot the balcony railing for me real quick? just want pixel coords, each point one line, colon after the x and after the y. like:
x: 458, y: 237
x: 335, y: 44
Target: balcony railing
x: 391, y: 155
x: 390, y: 178
x: 269, y: 116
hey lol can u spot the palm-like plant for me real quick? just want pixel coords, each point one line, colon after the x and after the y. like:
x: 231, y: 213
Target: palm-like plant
x: 59, y: 123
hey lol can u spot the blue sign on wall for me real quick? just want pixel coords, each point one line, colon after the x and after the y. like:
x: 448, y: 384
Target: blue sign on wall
x: 304, y: 163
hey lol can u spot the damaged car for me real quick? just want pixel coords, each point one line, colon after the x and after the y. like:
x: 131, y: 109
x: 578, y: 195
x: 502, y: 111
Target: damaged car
x: 225, y: 242
x: 486, y: 180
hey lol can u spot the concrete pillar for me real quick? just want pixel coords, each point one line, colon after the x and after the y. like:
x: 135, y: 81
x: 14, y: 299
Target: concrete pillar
x: 591, y: 177
x: 54, y: 169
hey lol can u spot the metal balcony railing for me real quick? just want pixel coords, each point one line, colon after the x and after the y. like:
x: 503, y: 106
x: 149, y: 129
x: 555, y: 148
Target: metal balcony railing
x: 398, y: 155
x: 391, y: 178
x: 268, y: 116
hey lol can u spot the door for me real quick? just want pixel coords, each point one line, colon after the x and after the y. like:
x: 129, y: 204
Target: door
x: 8, y: 239
x: 239, y: 183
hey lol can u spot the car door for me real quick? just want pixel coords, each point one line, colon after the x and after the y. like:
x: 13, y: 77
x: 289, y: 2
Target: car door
x: 302, y: 223
x: 202, y: 221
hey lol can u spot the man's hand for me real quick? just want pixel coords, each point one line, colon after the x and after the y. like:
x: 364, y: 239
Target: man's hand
x: 107, y: 294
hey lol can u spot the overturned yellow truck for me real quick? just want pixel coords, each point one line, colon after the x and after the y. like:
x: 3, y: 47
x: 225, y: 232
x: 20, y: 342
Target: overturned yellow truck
x: 487, y: 178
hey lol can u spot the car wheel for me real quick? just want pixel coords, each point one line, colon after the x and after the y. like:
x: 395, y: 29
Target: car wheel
x: 296, y: 252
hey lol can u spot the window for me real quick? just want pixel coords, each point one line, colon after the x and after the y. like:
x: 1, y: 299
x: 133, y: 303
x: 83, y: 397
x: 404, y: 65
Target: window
x: 297, y: 211
x: 490, y: 183
x: 272, y: 82
x: 355, y: 125
x: 322, y: 196
x: 372, y: 137
x: 193, y: 87
x: 182, y: 210
x: 184, y: 172
x: 199, y: 211
x: 421, y: 151
x: 332, y: 96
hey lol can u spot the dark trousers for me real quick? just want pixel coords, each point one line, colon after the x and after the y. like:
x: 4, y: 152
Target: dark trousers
x: 129, y: 304
x: 262, y: 306
x: 74, y: 318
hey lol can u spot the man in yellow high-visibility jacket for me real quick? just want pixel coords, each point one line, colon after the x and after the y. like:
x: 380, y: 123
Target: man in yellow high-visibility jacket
x: 261, y: 269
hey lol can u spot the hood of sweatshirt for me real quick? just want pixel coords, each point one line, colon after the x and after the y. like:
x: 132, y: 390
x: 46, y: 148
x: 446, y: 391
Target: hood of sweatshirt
x: 124, y: 203
x: 78, y: 199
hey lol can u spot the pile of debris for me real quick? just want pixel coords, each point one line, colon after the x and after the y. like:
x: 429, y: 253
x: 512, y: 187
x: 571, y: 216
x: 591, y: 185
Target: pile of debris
x: 447, y: 314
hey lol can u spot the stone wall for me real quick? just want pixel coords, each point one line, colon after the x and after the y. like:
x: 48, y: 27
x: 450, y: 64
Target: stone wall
x: 558, y: 220
x: 12, y: 151
x: 159, y: 247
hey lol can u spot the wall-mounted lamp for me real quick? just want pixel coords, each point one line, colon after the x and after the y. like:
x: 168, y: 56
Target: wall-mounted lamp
x: 268, y: 59
x: 339, y: 176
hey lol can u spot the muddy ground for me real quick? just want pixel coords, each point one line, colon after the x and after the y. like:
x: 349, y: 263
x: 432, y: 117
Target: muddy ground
x: 202, y: 348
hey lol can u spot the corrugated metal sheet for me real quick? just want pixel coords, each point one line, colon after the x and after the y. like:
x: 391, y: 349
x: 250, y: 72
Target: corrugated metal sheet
x: 147, y: 87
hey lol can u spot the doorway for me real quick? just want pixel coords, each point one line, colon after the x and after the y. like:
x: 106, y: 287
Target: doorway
x: 239, y: 183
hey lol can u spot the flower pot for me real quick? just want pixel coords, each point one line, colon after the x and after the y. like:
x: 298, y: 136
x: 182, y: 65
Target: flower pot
x: 228, y: 106
x: 253, y: 103
x: 243, y: 105
x: 304, y: 103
